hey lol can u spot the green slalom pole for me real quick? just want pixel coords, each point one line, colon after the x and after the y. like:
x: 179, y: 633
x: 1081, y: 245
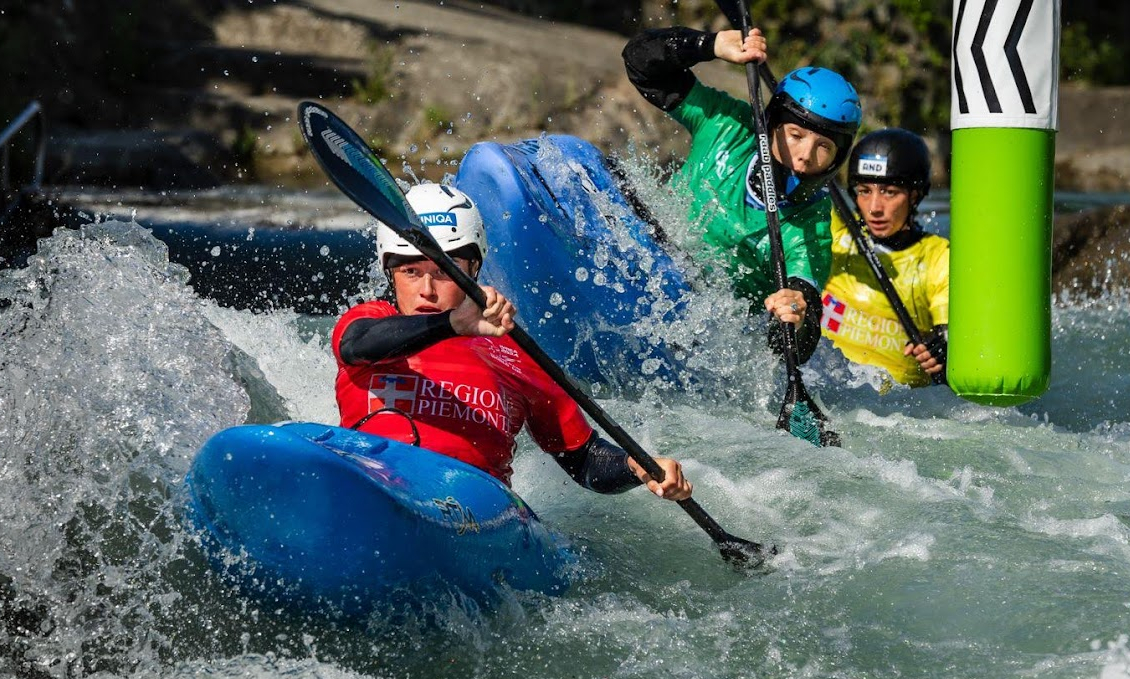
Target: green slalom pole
x: 1005, y: 89
x: 1000, y: 265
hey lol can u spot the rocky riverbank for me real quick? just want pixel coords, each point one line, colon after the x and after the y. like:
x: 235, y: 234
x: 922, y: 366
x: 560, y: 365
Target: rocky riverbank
x: 423, y: 81
x: 213, y: 101
x: 1091, y: 253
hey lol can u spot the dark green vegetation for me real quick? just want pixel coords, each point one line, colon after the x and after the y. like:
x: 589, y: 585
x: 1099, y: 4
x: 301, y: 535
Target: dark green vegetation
x: 84, y: 59
x: 1093, y: 49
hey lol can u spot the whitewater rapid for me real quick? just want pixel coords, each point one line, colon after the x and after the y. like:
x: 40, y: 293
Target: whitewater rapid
x: 943, y: 539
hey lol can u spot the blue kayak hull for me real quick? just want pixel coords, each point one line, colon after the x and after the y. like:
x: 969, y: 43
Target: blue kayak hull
x: 578, y: 261
x: 324, y: 517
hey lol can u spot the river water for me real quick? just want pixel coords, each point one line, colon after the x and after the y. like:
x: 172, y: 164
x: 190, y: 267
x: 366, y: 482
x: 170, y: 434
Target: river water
x: 944, y: 539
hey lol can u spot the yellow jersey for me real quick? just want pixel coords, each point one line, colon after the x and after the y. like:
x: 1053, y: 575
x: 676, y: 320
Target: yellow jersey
x: 859, y: 320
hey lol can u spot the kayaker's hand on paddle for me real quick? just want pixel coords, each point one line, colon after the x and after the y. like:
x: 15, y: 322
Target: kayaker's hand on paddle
x: 674, y: 487
x: 494, y: 320
x: 931, y: 353
x: 927, y: 361
x: 787, y: 305
x: 728, y: 46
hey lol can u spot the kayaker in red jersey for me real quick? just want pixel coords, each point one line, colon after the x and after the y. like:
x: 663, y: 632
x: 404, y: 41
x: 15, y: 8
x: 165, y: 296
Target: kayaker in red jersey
x: 429, y: 367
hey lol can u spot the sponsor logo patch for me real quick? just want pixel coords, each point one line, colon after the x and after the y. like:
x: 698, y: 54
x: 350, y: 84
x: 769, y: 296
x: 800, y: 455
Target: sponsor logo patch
x: 437, y: 219
x: 416, y: 396
x: 872, y: 166
x: 393, y: 391
x: 833, y: 314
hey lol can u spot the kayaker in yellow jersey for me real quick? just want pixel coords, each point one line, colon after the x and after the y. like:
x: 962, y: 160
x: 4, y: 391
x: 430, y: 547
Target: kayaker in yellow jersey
x: 889, y: 175
x: 812, y: 117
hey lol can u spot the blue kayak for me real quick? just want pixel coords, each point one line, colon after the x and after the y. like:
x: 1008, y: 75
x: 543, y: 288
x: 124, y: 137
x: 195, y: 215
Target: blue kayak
x: 577, y: 259
x: 315, y: 516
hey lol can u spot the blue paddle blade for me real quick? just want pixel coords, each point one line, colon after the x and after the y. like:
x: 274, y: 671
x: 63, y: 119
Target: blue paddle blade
x: 354, y: 168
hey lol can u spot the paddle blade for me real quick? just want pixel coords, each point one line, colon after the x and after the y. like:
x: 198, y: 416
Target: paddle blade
x: 349, y: 162
x: 746, y: 557
x: 801, y: 417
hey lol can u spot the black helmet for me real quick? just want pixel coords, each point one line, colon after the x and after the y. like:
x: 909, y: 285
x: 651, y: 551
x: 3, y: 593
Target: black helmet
x: 892, y: 156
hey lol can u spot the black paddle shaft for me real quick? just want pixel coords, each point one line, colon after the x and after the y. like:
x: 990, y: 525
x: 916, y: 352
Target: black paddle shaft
x: 769, y: 196
x: 795, y: 392
x: 351, y: 165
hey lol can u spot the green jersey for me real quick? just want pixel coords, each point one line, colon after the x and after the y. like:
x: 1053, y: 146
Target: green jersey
x: 714, y: 175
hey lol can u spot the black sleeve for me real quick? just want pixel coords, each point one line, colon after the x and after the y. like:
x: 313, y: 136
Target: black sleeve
x: 599, y: 466
x: 659, y: 62
x: 369, y: 340
x: 808, y: 334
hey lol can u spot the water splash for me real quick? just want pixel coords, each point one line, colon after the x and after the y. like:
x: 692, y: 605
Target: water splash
x: 698, y: 342
x: 110, y: 378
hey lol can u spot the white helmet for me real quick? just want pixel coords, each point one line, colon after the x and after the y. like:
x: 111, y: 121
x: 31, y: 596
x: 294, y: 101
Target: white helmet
x: 450, y: 216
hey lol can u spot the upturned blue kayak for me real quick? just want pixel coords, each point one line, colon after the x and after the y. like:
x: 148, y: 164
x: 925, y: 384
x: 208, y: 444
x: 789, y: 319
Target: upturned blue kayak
x: 575, y: 255
x: 320, y: 517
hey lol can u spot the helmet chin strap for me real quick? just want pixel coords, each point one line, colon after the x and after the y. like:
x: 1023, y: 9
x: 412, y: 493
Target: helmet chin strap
x: 917, y: 200
x: 796, y: 189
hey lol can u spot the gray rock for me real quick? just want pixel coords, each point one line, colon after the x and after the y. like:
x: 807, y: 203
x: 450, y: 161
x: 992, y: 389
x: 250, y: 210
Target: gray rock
x: 1091, y: 253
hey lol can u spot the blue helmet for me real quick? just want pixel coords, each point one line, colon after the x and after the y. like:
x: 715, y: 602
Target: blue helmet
x: 820, y: 100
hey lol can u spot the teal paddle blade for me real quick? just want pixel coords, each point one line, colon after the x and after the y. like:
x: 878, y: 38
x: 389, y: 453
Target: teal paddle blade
x: 804, y: 425
x: 801, y: 417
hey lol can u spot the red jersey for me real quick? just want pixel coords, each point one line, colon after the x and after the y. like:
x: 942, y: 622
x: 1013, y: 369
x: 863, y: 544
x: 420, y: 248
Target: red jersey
x: 468, y: 397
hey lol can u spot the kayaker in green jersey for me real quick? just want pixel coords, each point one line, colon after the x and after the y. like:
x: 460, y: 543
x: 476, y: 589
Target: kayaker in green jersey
x: 812, y: 117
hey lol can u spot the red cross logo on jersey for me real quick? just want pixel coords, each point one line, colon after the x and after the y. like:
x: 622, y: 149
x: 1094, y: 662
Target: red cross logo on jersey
x: 833, y: 313
x: 392, y: 391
